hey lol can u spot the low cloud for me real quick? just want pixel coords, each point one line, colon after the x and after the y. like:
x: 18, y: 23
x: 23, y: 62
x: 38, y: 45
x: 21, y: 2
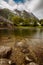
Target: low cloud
x: 29, y: 5
x: 4, y: 4
x: 34, y: 6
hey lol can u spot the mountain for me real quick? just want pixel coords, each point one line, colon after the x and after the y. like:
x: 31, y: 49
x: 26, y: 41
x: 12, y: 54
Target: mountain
x: 4, y: 18
x: 25, y: 14
x: 5, y: 23
x: 19, y: 17
x: 6, y: 13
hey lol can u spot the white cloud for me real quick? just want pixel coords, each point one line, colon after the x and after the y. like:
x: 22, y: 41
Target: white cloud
x: 4, y: 4
x: 30, y: 6
x: 39, y: 13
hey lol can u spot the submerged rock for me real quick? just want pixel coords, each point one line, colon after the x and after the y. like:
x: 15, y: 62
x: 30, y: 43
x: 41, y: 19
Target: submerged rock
x: 5, y: 51
x: 25, y: 50
x: 22, y: 44
x: 5, y: 62
x: 27, y: 59
x: 32, y: 63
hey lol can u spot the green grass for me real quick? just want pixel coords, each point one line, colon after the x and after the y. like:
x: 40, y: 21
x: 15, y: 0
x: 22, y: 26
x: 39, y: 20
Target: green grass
x: 26, y: 27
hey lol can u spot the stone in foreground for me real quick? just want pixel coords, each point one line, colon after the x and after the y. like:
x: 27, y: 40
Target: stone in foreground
x: 5, y: 62
x: 27, y: 60
x: 5, y: 51
x: 32, y: 63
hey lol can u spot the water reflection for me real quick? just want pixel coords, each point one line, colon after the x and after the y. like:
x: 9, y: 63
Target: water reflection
x: 30, y: 32
x: 39, y: 33
x: 25, y: 32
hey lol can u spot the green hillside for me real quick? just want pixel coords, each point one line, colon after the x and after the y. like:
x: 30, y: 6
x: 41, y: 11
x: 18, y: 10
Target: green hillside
x: 20, y: 18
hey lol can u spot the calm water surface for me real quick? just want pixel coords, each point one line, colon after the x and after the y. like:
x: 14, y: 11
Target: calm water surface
x: 24, y: 32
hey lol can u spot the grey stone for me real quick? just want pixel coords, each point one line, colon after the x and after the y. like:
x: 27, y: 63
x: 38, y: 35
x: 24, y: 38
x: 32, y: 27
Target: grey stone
x: 5, y: 51
x: 21, y: 43
x: 32, y: 63
x: 25, y: 50
x: 27, y: 59
x: 5, y: 62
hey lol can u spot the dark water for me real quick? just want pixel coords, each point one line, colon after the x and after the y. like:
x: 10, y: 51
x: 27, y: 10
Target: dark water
x: 24, y: 32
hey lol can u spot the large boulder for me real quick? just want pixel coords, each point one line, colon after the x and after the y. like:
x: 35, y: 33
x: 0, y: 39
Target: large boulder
x: 5, y: 51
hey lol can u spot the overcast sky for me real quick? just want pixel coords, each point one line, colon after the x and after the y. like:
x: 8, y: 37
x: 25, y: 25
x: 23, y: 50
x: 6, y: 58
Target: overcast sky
x: 35, y: 6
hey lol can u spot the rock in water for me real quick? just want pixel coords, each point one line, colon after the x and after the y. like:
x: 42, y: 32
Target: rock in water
x: 5, y: 51
x: 32, y: 63
x: 22, y: 44
x: 27, y: 60
x: 5, y: 62
x: 25, y: 50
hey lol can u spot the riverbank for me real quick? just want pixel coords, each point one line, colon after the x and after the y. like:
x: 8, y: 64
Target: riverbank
x: 20, y: 27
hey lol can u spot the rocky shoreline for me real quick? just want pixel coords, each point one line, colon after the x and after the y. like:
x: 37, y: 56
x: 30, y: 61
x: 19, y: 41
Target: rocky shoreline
x: 21, y: 53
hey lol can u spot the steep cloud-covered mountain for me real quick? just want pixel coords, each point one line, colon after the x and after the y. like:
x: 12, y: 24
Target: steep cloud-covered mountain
x: 34, y: 6
x: 6, y: 13
x: 18, y: 17
x: 25, y: 14
x: 4, y: 21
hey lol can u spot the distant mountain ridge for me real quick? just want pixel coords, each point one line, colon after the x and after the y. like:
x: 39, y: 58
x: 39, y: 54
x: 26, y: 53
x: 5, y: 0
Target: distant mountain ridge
x: 25, y: 14
x: 2, y: 19
x: 18, y: 17
x: 5, y: 13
